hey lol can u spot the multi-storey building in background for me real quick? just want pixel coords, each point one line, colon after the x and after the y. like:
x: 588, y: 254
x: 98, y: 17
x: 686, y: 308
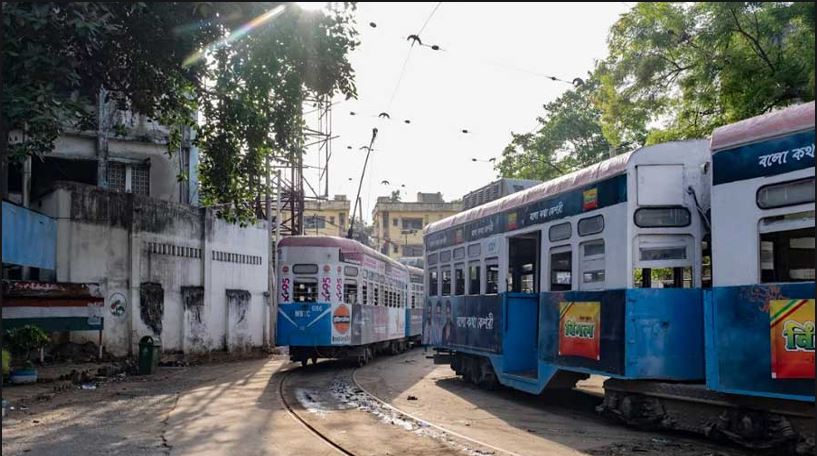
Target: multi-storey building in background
x: 327, y: 217
x: 398, y: 225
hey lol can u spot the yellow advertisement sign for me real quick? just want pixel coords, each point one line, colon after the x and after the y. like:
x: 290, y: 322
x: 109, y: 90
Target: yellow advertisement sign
x: 791, y: 329
x: 580, y: 329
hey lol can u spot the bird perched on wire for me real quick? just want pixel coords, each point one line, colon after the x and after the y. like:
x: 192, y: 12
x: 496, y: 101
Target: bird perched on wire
x: 577, y: 82
x: 385, y: 182
x: 415, y: 39
x: 384, y: 115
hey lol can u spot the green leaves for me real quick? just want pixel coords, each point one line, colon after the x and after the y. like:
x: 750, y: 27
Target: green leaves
x: 674, y: 71
x: 569, y: 137
x: 689, y: 68
x: 253, y: 107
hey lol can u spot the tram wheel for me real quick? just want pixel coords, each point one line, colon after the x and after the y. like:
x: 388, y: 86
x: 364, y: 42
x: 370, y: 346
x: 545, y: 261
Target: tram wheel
x: 314, y: 360
x: 304, y: 362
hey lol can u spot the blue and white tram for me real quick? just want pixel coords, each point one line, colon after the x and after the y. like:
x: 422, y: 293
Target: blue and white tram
x: 604, y: 271
x: 547, y: 285
x: 760, y: 312
x: 340, y: 299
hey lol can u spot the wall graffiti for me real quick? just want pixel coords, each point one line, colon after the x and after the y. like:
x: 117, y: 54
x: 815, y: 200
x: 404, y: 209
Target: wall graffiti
x: 152, y: 305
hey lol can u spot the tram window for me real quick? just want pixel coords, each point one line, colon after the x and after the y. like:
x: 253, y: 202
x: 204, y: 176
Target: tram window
x: 350, y: 271
x: 306, y: 290
x: 559, y: 232
x: 591, y: 225
x: 787, y: 256
x: 677, y: 277
x: 459, y: 280
x: 474, y: 250
x: 459, y: 253
x: 661, y: 217
x: 473, y: 278
x: 593, y: 264
x: 350, y: 291
x: 432, y: 282
x: 365, y: 293
x: 523, y: 257
x: 786, y: 194
x: 492, y: 278
x: 446, y: 282
x: 305, y: 269
x: 561, y: 271
x: 662, y: 253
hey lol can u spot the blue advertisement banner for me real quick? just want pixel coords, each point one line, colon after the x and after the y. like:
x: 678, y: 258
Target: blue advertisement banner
x: 767, y: 158
x: 463, y: 322
x: 601, y: 194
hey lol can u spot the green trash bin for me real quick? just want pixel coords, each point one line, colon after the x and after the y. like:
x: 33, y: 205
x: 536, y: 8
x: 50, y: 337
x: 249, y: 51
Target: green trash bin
x: 149, y: 351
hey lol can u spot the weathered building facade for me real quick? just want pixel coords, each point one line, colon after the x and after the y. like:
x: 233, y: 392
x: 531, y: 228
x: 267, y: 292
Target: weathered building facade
x: 398, y: 226
x: 168, y: 270
x: 327, y: 217
x: 121, y: 220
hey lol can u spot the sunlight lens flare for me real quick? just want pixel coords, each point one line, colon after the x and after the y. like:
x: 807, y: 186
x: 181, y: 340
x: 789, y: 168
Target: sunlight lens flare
x: 234, y: 36
x: 311, y: 6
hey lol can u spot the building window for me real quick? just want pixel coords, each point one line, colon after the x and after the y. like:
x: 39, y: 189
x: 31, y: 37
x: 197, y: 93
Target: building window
x: 342, y: 220
x: 314, y: 222
x: 412, y: 223
x: 140, y: 180
x: 395, y: 249
x: 116, y: 176
x: 412, y: 250
x: 394, y: 221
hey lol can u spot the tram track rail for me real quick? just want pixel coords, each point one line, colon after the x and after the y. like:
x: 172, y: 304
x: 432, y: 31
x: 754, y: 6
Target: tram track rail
x: 297, y: 417
x: 426, y: 422
x: 294, y: 413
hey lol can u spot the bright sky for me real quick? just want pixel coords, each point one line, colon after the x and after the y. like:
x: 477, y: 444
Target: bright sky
x: 488, y: 79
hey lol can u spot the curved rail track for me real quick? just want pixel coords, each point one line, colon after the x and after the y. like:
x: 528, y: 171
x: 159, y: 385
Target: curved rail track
x: 306, y: 424
x: 342, y: 450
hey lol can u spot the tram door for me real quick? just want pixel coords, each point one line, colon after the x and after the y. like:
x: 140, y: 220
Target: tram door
x: 522, y: 301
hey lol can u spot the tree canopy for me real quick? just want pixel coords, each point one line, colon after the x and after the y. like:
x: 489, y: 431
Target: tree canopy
x: 247, y: 68
x: 675, y: 71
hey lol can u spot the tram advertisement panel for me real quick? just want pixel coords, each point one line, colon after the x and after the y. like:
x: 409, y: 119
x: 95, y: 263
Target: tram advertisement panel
x: 580, y: 329
x: 466, y: 322
x: 791, y: 325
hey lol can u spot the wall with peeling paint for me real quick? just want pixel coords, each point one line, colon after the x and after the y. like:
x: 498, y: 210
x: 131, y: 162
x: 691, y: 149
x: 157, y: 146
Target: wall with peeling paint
x: 164, y: 268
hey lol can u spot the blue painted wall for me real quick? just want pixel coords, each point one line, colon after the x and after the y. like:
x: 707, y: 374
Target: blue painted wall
x: 29, y: 238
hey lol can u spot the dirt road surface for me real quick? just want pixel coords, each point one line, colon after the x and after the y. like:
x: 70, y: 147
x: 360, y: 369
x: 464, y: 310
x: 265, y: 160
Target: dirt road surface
x: 236, y: 408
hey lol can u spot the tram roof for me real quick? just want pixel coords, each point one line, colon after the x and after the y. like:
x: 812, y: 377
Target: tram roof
x: 345, y: 245
x: 593, y: 173
x: 774, y: 124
